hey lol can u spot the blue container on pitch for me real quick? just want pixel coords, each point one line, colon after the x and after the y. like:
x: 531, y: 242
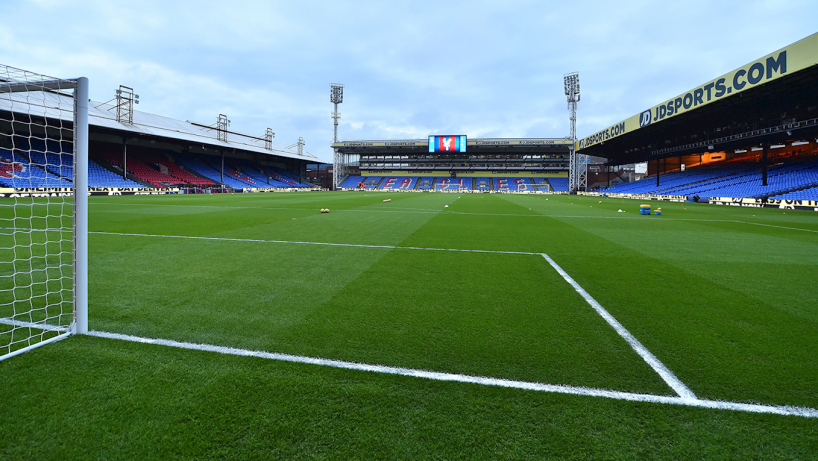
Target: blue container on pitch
x: 644, y: 209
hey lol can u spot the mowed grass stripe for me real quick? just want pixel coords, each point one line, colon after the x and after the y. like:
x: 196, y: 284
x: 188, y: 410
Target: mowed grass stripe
x: 728, y: 318
x: 228, y: 293
x: 475, y: 330
x: 267, y: 224
x: 468, y: 313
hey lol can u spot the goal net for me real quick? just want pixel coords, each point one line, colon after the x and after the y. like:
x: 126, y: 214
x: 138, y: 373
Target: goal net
x: 43, y: 223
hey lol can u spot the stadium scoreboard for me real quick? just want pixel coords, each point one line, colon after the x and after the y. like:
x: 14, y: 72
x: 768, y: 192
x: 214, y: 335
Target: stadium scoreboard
x: 449, y: 143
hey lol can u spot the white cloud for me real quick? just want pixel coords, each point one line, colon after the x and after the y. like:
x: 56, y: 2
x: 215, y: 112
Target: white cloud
x: 410, y: 68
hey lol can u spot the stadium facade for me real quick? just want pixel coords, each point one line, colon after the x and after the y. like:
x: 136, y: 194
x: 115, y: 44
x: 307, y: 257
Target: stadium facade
x: 483, y: 164
x: 748, y: 137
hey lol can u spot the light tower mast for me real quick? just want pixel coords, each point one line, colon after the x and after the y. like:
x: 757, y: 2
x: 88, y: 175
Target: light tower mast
x: 578, y: 163
x: 336, y: 96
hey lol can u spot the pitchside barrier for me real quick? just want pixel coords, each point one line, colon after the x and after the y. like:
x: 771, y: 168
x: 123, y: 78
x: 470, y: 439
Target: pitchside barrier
x: 43, y: 236
x: 665, y: 198
x: 809, y: 205
x: 7, y: 192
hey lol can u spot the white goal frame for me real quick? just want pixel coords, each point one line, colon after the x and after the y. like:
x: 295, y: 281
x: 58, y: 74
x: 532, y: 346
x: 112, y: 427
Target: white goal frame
x: 14, y: 80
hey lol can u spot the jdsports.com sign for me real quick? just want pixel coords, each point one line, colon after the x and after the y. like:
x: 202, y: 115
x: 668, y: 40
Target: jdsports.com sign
x: 796, y: 57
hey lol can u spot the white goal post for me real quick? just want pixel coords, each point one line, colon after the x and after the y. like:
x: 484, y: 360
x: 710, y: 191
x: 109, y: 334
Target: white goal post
x: 43, y: 209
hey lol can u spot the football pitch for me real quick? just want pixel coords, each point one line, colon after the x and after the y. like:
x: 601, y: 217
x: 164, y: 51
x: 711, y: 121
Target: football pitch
x: 436, y: 325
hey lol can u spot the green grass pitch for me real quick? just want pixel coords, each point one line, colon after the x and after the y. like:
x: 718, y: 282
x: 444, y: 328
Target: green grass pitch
x: 723, y: 296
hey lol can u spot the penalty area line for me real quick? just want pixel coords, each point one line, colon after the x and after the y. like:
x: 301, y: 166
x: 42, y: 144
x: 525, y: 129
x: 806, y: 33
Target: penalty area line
x: 460, y: 378
x: 675, y: 383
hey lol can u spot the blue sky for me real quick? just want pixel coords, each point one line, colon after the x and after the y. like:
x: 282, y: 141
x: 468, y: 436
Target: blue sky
x: 486, y: 69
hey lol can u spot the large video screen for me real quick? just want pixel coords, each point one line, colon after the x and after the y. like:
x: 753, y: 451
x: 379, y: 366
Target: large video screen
x: 450, y: 143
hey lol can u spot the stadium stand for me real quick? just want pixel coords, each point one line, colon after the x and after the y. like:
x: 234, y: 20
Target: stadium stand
x: 805, y: 194
x: 399, y: 183
x: 18, y: 172
x: 257, y: 177
x: 425, y: 183
x: 210, y: 170
x: 737, y: 181
x: 176, y: 171
x: 452, y: 184
x: 100, y: 177
x: 541, y: 184
x: 559, y: 184
x: 446, y: 183
x: 482, y: 184
x: 351, y: 182
x: 150, y: 175
x: 62, y: 165
x: 372, y: 182
x: 513, y: 184
x: 141, y: 170
x: 289, y: 179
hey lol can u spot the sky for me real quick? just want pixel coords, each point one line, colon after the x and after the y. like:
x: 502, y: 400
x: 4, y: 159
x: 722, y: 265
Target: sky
x: 410, y: 68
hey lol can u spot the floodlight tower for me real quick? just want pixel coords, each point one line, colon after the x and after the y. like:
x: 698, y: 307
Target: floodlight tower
x: 268, y: 139
x: 336, y: 96
x: 221, y: 127
x: 300, y: 145
x: 577, y: 164
x: 125, y: 100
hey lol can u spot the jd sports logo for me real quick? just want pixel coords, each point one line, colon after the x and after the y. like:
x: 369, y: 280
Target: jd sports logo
x: 581, y: 144
x: 645, y: 118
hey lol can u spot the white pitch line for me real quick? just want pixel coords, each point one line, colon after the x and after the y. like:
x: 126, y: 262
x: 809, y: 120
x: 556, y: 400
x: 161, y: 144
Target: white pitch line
x: 675, y: 383
x: 385, y: 247
x: 481, y: 380
x: 39, y: 325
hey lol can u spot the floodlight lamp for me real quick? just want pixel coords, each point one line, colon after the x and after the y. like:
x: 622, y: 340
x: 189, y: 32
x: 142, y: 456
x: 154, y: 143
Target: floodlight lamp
x: 118, y: 91
x: 571, y: 83
x: 136, y: 96
x: 336, y: 93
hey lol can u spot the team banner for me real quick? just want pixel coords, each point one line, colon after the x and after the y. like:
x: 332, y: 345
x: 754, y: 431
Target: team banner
x: 798, y: 56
